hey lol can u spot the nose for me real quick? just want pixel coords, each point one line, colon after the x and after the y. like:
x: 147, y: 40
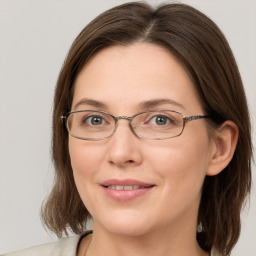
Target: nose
x: 124, y: 147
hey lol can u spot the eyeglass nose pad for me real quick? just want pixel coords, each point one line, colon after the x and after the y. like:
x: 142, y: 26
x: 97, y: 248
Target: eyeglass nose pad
x: 129, y: 119
x: 133, y: 130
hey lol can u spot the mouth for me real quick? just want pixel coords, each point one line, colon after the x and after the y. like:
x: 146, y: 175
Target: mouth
x: 118, y: 187
x: 127, y: 184
x: 125, y: 190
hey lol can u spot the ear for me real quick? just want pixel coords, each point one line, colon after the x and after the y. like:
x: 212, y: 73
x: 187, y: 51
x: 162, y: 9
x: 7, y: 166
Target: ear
x: 223, y: 147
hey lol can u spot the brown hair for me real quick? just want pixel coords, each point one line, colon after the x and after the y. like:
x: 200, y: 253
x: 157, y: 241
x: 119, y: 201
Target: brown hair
x: 204, y: 52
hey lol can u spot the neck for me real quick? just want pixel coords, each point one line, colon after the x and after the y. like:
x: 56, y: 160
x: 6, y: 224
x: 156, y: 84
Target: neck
x: 161, y: 242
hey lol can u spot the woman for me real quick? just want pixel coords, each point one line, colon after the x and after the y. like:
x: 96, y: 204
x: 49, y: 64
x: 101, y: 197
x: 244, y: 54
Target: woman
x: 151, y: 138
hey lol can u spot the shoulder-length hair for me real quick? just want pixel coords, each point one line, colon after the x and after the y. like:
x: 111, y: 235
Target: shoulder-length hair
x: 204, y: 52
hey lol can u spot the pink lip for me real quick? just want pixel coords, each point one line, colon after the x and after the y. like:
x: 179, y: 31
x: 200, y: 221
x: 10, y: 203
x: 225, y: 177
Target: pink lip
x: 125, y: 195
x: 126, y: 182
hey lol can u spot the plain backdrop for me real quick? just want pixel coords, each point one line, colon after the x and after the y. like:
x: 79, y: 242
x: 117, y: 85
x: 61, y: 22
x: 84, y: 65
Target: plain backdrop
x: 35, y: 36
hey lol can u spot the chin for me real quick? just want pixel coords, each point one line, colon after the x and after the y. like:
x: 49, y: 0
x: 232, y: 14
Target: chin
x: 124, y: 224
x: 128, y: 230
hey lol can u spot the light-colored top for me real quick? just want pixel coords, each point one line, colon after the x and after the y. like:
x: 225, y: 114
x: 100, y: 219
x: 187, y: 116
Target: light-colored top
x: 63, y: 247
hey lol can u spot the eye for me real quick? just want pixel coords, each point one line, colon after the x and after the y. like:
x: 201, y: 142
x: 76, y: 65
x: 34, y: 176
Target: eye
x: 160, y: 120
x: 94, y: 120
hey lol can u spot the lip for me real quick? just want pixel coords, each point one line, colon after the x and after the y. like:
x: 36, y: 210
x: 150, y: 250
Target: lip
x: 123, y: 195
x: 126, y: 182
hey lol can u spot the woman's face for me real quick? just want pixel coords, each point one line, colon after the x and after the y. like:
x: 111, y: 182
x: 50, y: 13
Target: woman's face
x: 163, y: 178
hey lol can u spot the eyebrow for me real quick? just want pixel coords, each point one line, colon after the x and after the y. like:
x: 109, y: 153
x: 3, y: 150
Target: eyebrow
x: 90, y: 102
x: 144, y: 105
x: 157, y: 102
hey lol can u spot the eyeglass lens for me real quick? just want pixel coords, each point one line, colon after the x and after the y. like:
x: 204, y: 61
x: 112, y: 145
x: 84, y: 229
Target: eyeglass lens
x: 97, y: 125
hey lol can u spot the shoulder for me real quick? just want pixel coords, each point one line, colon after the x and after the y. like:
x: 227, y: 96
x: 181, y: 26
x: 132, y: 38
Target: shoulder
x: 63, y: 247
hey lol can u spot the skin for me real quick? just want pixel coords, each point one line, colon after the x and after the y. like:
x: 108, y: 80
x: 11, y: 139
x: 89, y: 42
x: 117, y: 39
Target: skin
x: 163, y: 221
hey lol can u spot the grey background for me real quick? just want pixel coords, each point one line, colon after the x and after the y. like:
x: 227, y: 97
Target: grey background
x: 35, y: 36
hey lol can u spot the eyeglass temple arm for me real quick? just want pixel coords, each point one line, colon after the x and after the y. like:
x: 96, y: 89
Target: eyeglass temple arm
x: 190, y: 118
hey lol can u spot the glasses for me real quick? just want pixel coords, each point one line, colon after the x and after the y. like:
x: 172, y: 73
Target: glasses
x: 151, y: 124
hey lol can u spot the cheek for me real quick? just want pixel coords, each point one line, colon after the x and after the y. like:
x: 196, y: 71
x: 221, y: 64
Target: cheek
x: 85, y: 159
x: 182, y: 165
x: 84, y: 155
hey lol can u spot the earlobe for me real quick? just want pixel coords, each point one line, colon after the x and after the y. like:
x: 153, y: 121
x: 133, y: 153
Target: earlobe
x: 225, y: 142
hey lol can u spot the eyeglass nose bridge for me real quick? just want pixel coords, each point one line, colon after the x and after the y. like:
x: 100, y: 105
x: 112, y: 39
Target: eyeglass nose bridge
x: 128, y: 118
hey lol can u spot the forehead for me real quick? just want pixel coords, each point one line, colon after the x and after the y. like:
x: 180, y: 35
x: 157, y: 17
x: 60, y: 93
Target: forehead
x: 128, y: 75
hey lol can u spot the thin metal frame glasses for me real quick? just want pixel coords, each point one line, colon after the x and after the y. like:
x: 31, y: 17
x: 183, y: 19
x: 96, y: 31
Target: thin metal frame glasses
x: 151, y: 124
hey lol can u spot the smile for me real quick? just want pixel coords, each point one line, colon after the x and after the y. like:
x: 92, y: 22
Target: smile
x: 118, y: 187
x: 125, y: 190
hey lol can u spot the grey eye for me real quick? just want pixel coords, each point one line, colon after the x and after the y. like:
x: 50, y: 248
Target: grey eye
x: 94, y: 120
x: 160, y: 120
